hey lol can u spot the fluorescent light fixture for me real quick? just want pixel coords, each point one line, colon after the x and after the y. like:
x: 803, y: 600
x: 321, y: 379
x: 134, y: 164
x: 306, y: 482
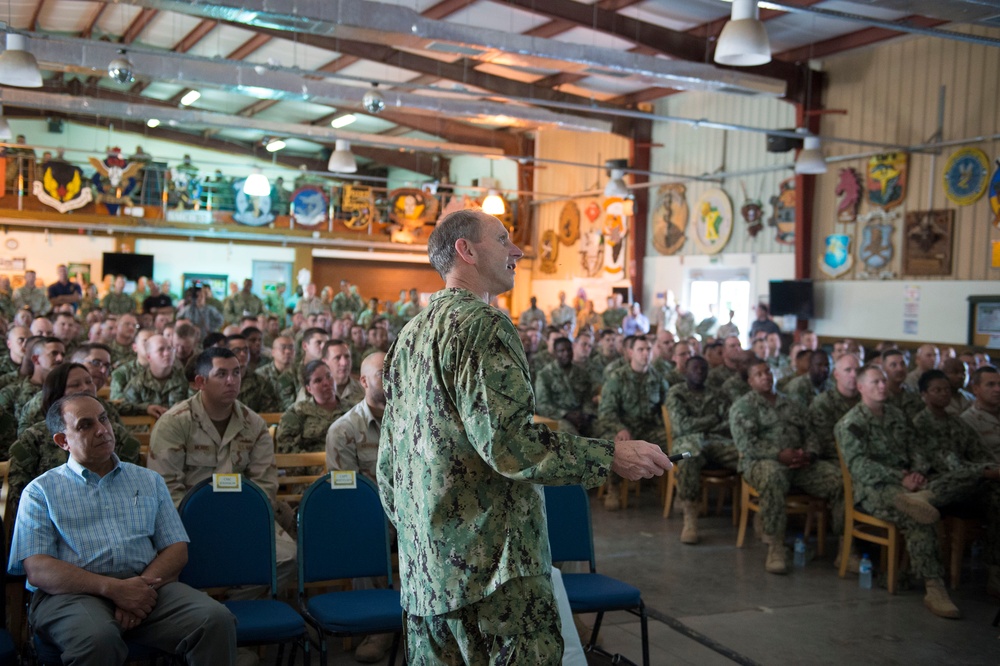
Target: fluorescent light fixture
x: 256, y: 184
x: 152, y: 122
x: 274, y: 145
x: 18, y: 67
x: 190, y: 98
x: 343, y: 121
x: 493, y: 204
x: 743, y: 41
x: 810, y: 160
x: 342, y: 160
x: 5, y: 132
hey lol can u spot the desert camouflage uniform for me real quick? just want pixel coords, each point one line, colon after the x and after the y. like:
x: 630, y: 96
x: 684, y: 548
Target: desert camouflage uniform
x: 13, y: 399
x: 285, y: 384
x: 144, y: 390
x: 761, y: 431
x: 235, y: 306
x: 613, y: 318
x: 562, y: 315
x: 988, y: 427
x: 120, y: 377
x: 121, y: 354
x: 907, y: 401
x: 350, y: 393
x: 699, y: 424
x: 458, y: 444
x: 118, y: 304
x: 34, y: 452
x: 878, y: 451
x: 824, y: 412
x: 719, y: 376
x: 960, y: 401
x: 802, y: 390
x: 735, y: 388
x: 34, y: 297
x: 259, y: 394
x: 632, y: 401
x: 684, y: 325
x: 558, y: 392
x: 352, y: 441
x: 303, y: 427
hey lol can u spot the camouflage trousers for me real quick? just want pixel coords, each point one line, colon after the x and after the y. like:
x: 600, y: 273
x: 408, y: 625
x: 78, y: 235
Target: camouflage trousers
x: 773, y: 481
x: 654, y: 435
x: 968, y: 494
x: 921, y: 540
x: 517, y: 624
x: 704, y: 450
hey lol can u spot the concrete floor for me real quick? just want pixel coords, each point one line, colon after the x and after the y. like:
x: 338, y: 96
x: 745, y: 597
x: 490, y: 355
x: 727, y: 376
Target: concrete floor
x: 724, y: 595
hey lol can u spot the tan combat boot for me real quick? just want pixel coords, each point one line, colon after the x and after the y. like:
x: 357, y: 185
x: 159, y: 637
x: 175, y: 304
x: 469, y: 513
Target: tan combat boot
x: 938, y: 601
x: 689, y: 533
x: 853, y: 561
x: 373, y: 648
x: 611, y: 500
x: 776, y: 563
x: 918, y: 506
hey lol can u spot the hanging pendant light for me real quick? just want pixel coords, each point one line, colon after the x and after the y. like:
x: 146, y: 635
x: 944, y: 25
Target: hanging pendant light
x: 810, y: 160
x: 342, y: 160
x: 743, y: 41
x: 494, y: 204
x: 18, y: 66
x: 256, y: 184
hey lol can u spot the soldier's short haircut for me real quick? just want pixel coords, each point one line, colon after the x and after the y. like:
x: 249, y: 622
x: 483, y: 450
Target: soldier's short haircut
x: 605, y: 332
x: 711, y: 345
x: 889, y: 353
x: 203, y: 365
x: 212, y: 339
x: 83, y: 351
x: 185, y: 330
x: 63, y: 314
x: 977, y: 376
x: 630, y: 341
x: 336, y: 342
x: 311, y: 333
x: 235, y: 336
x: 36, y: 344
x: 803, y: 353
x: 925, y: 379
x: 251, y: 330
x: 754, y: 362
x: 562, y: 341
x: 869, y: 369
x: 441, y: 243
x: 699, y: 359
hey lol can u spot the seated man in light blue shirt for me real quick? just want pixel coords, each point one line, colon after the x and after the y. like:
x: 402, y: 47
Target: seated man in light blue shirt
x: 102, y: 545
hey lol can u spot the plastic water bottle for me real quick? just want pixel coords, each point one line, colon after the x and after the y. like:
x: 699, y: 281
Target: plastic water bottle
x: 799, y: 559
x: 865, y: 573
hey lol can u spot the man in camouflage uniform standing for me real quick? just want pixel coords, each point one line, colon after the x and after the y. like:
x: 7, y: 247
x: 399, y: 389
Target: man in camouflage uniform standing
x: 630, y: 408
x: 242, y: 303
x: 888, y: 471
x: 117, y: 302
x: 30, y: 296
x: 563, y: 391
x: 458, y: 432
x: 280, y: 372
x: 776, y: 453
x: 157, y: 387
x: 700, y: 426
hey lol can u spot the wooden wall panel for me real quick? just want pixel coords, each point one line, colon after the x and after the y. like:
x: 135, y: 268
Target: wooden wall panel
x: 381, y: 279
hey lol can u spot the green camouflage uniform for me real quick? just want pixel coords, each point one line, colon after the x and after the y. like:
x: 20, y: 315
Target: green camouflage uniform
x: 558, y: 392
x: 878, y: 451
x: 13, y: 398
x: 7, y: 365
x: 531, y: 317
x: 613, y: 318
x: 408, y: 311
x: 9, y: 378
x: 285, y: 384
x: 539, y: 360
x: 719, y: 376
x: 699, y: 425
x: 32, y: 412
x: 761, y: 431
x: 562, y: 315
x: 632, y: 400
x: 782, y: 384
x: 350, y: 393
x: 118, y: 304
x: 344, y: 303
x: 595, y: 366
x: 7, y: 308
x: 144, y: 390
x: 259, y: 394
x: 458, y: 466
x: 802, y: 390
x: 907, y: 401
x: 34, y: 452
x: 735, y: 388
x: 235, y: 306
x: 824, y: 412
x: 121, y: 375
x: 121, y: 354
x: 685, y: 325
x: 612, y: 367
x: 275, y: 304
x: 34, y: 297
x: 303, y: 427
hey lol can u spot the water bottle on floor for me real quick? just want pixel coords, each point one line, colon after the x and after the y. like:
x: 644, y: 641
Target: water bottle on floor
x: 799, y: 559
x: 865, y: 573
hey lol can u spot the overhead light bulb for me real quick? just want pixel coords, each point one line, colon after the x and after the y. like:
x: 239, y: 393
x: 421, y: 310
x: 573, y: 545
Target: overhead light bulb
x: 810, y: 160
x: 274, y: 145
x: 190, y: 98
x: 18, y: 67
x: 343, y: 121
x: 342, y: 160
x: 256, y: 184
x: 743, y: 41
x: 494, y: 204
x: 5, y: 132
x: 152, y: 122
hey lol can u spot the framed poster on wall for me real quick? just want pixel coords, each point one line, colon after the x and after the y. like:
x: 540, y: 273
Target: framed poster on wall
x: 984, y: 321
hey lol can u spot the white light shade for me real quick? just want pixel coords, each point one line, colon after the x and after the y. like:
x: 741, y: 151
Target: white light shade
x: 810, y: 160
x: 342, y: 160
x: 152, y: 122
x: 17, y: 66
x: 743, y: 41
x: 274, y: 146
x: 493, y: 204
x: 616, y: 186
x: 343, y: 121
x: 256, y: 184
x: 190, y: 98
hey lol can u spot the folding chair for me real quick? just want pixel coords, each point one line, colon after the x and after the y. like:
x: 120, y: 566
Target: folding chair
x: 571, y: 539
x: 232, y: 544
x: 328, y: 554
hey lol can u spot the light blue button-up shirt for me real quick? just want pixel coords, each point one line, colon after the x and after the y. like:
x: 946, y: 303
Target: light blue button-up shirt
x: 112, y: 525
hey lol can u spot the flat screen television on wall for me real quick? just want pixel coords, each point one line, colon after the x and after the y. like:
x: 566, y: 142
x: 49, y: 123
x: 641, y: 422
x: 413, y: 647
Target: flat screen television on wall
x: 132, y: 266
x: 792, y: 297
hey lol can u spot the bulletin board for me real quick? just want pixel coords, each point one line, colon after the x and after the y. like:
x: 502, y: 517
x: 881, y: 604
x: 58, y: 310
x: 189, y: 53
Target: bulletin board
x: 984, y: 321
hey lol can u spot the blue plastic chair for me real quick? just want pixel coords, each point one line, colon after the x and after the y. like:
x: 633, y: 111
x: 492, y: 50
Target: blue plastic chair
x: 572, y: 540
x: 232, y: 544
x: 332, y: 549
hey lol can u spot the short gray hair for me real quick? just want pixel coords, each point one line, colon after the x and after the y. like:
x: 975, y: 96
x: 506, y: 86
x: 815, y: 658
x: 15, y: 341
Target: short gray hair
x: 441, y: 244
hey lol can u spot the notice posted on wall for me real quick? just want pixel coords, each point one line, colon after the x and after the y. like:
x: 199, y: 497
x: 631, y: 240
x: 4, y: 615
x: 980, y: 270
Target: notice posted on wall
x: 911, y: 309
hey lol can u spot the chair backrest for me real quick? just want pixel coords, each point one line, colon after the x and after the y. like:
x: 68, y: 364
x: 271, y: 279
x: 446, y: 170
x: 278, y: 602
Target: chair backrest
x: 668, y: 428
x: 232, y: 537
x: 271, y: 418
x: 137, y: 421
x: 848, y: 484
x: 290, y: 486
x: 343, y: 533
x: 567, y: 512
x: 4, y: 488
